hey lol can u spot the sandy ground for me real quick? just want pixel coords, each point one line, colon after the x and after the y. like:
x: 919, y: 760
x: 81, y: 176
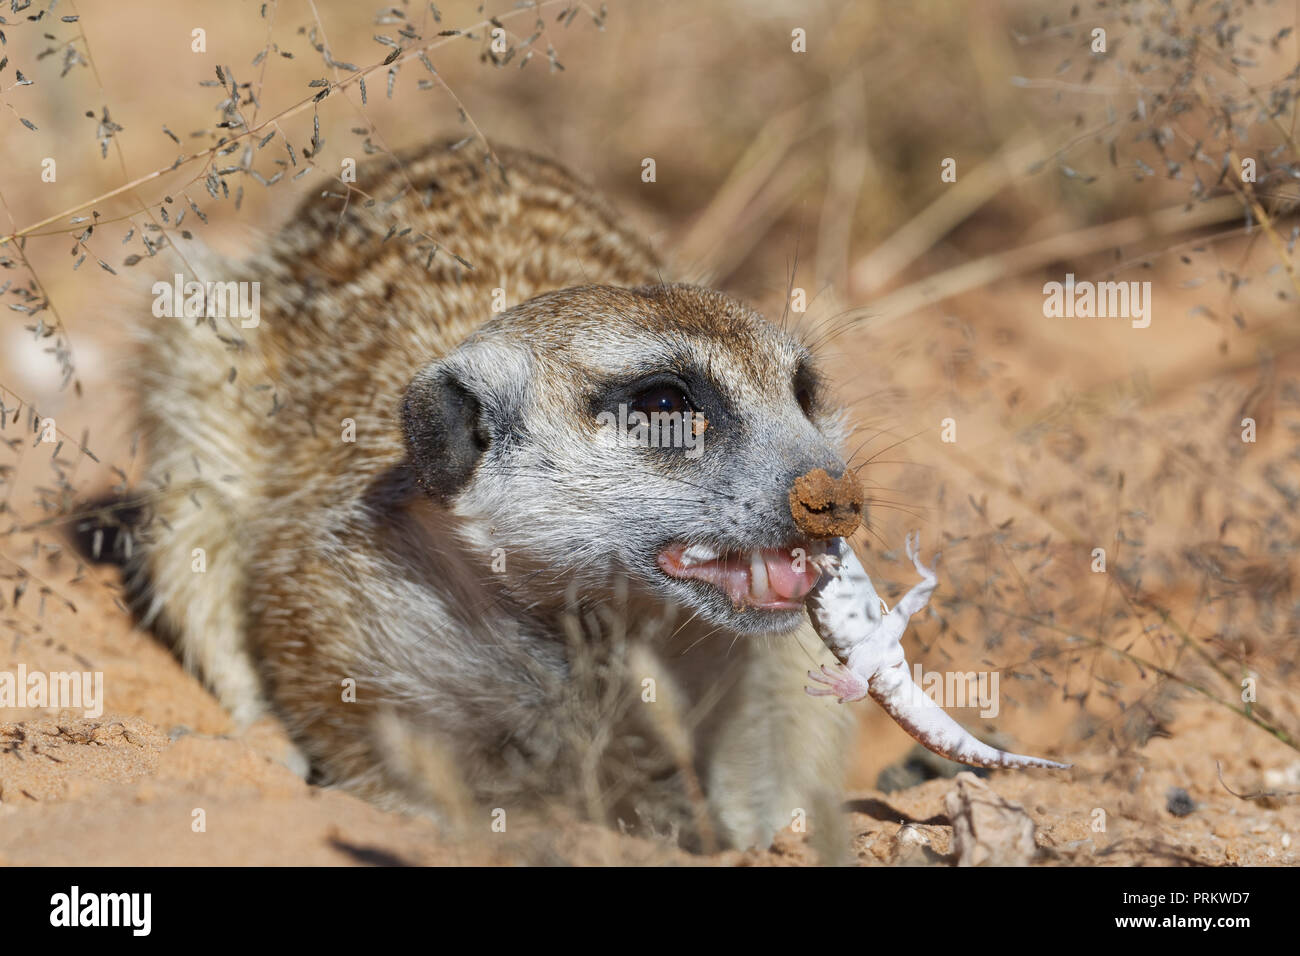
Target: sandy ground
x: 129, y: 785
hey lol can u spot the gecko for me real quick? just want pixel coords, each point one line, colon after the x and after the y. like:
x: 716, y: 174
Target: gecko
x: 866, y: 638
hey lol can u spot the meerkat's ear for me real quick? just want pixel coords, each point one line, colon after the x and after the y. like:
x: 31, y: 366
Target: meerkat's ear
x: 445, y: 432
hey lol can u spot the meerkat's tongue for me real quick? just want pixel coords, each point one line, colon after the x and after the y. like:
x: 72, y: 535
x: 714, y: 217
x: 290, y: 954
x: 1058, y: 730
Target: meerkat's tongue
x: 770, y: 578
x: 782, y: 576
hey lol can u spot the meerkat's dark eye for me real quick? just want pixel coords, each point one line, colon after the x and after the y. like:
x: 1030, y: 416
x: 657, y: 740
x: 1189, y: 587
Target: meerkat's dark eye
x: 662, y: 399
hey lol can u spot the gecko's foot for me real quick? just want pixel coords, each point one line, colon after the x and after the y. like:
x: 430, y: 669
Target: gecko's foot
x: 912, y: 546
x: 824, y: 562
x: 841, y: 683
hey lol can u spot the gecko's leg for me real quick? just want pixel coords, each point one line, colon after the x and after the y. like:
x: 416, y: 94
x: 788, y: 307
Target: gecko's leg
x: 917, y: 598
x: 840, y: 683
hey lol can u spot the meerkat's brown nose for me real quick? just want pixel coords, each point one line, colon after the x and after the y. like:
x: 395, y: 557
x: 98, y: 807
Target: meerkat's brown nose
x: 826, y: 507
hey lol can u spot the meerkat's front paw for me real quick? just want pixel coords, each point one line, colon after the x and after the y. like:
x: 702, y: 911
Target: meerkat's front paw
x: 840, y: 682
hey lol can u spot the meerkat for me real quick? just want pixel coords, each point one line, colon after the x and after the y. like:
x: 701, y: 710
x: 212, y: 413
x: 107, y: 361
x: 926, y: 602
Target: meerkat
x: 391, y: 515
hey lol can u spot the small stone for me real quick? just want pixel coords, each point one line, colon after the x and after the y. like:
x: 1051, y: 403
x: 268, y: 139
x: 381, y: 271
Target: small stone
x: 988, y: 829
x: 1179, y: 802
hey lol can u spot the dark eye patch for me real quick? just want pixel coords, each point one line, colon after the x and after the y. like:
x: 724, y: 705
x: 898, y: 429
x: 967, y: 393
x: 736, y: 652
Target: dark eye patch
x: 684, y: 389
x: 807, y: 387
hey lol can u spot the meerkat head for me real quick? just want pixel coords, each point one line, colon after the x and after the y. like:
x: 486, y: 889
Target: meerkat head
x: 653, y: 432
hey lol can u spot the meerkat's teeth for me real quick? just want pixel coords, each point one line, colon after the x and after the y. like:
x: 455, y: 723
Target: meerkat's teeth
x: 698, y: 553
x: 766, y: 578
x: 759, y: 589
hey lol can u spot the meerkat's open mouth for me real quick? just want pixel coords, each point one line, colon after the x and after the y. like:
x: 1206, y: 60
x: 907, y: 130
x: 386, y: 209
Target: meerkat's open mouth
x: 772, y: 579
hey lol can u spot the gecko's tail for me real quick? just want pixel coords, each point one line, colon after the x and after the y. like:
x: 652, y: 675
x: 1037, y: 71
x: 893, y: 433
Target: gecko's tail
x: 931, y: 726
